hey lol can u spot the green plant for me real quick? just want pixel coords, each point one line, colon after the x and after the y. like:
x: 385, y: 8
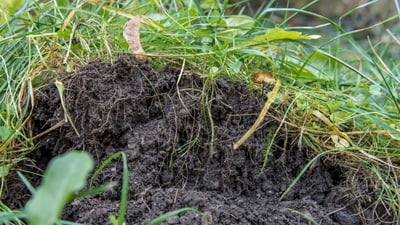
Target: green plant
x: 62, y: 182
x: 65, y: 175
x: 8, y: 216
x: 125, y: 188
x: 8, y: 7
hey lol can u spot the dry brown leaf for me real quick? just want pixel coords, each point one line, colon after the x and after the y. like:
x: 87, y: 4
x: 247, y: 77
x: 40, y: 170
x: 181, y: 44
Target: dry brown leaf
x: 132, y: 36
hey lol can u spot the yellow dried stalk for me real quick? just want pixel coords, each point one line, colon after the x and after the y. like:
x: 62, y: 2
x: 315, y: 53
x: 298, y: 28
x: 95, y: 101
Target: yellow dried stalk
x: 264, y: 111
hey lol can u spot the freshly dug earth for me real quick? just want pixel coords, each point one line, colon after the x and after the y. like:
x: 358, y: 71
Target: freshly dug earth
x: 177, y: 132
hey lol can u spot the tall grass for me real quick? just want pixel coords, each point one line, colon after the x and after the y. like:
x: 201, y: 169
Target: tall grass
x: 39, y: 44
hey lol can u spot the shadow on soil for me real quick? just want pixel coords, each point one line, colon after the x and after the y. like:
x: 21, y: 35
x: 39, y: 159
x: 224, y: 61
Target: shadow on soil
x: 179, y: 157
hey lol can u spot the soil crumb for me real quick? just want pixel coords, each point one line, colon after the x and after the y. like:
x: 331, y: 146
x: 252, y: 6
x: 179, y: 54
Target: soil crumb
x: 178, y: 139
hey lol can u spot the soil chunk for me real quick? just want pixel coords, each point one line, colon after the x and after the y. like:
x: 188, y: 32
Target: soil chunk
x: 178, y: 139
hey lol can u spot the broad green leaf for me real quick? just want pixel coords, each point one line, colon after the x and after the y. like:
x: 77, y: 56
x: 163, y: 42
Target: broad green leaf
x: 8, y: 8
x: 215, y: 19
x: 4, y: 133
x: 334, y: 105
x: 241, y: 21
x: 113, y: 219
x: 375, y: 90
x: 340, y: 117
x: 277, y: 34
x: 64, y: 34
x: 63, y: 3
x: 236, y: 66
x: 4, y: 170
x: 238, y: 25
x: 65, y: 175
x: 208, y: 4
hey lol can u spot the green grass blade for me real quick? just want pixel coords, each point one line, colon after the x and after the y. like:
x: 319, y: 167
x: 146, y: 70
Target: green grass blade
x: 294, y: 182
x: 94, y: 191
x: 168, y: 215
x: 124, y: 191
x: 27, y: 183
x: 304, y: 215
x: 101, y: 167
x: 8, y: 216
x: 63, y: 222
x: 125, y: 185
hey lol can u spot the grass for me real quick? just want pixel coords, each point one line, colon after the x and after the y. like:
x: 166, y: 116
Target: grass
x: 339, y: 95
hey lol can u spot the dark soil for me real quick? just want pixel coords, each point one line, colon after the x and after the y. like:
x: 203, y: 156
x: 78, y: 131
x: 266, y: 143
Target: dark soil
x: 177, y: 155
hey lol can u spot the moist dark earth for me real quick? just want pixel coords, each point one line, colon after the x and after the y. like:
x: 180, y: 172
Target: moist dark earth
x: 177, y: 131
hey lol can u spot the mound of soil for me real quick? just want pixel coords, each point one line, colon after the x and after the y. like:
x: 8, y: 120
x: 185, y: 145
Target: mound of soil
x: 177, y: 132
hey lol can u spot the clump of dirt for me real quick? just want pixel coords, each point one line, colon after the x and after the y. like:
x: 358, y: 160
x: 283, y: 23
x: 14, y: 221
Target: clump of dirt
x: 178, y: 139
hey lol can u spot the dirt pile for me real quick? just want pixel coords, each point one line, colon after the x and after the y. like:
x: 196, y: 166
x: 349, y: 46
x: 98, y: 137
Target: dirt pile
x: 178, y: 139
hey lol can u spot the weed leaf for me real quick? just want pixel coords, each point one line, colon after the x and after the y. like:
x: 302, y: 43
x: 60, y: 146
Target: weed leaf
x: 5, y: 133
x: 65, y: 175
x: 277, y: 34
